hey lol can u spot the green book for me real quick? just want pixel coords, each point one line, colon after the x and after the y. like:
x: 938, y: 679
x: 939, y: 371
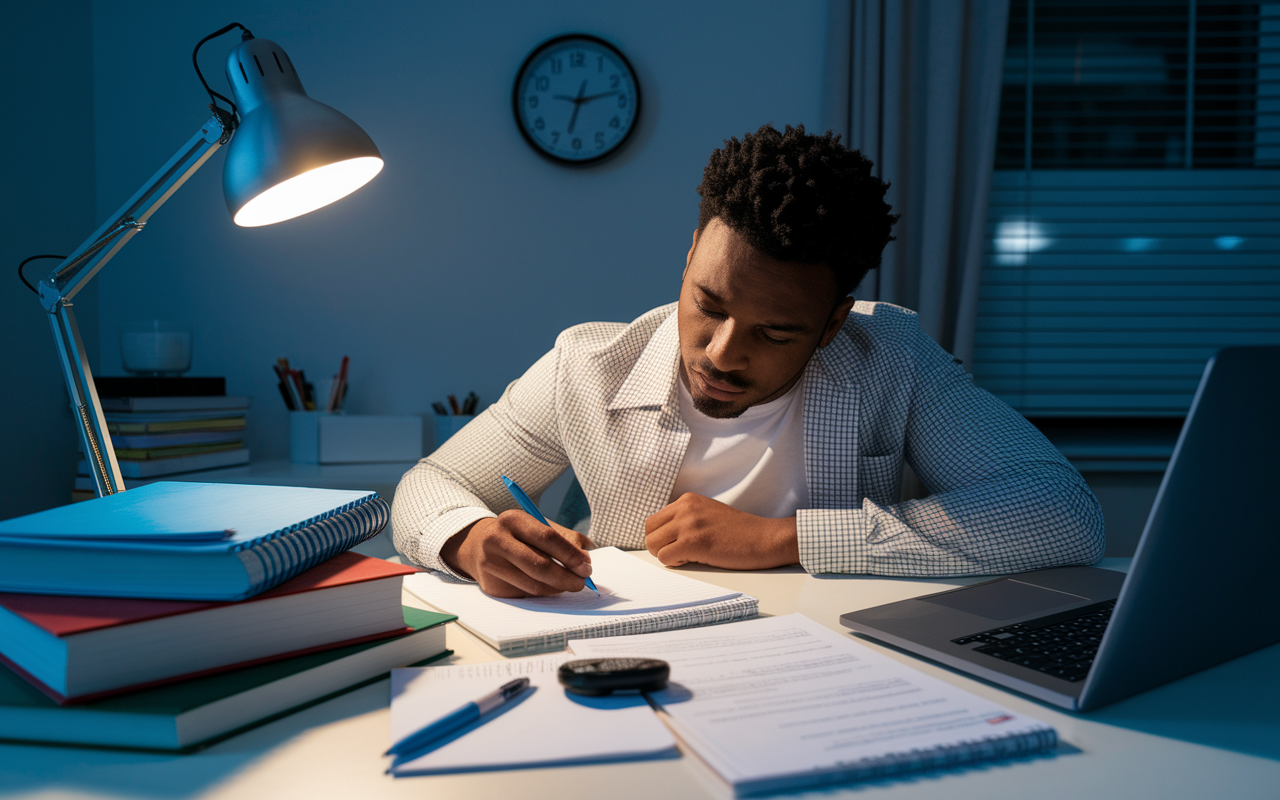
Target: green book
x: 196, y: 713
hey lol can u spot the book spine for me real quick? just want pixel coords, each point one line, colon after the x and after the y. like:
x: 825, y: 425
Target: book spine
x: 273, y: 560
x: 742, y: 607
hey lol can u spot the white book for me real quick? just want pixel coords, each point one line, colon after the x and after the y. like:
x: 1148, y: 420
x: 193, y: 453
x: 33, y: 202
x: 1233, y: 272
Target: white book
x: 152, y: 468
x: 542, y: 727
x: 784, y: 703
x: 635, y: 597
x: 143, y: 404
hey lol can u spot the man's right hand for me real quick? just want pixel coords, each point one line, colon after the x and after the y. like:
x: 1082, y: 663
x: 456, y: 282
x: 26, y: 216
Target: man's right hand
x: 512, y: 556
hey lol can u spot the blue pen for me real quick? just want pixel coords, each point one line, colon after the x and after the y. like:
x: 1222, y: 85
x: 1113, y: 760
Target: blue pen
x: 409, y: 746
x: 532, y: 510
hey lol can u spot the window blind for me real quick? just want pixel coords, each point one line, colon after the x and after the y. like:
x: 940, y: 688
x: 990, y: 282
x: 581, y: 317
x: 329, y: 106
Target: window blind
x: 1134, y: 223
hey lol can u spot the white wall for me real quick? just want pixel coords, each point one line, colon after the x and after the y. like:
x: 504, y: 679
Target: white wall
x: 454, y: 269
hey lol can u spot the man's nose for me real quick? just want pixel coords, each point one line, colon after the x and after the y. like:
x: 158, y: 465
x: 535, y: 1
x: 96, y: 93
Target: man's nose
x: 726, y: 349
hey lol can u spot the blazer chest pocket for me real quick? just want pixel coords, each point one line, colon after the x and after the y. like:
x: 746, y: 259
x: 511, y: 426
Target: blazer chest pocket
x: 879, y: 477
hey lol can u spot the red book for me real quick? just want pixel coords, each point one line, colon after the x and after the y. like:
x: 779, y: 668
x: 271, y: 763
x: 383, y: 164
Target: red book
x: 80, y: 648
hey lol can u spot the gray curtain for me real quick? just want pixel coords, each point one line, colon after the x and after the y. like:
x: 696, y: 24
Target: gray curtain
x: 917, y: 89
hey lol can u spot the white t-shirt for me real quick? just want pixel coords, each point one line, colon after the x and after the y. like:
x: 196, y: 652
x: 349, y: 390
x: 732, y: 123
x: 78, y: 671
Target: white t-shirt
x: 754, y: 463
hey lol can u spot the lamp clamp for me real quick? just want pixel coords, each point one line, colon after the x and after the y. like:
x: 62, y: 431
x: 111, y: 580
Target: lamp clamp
x: 220, y: 126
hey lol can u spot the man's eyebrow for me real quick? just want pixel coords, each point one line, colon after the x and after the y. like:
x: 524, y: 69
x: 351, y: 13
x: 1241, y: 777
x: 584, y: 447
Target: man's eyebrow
x: 780, y: 326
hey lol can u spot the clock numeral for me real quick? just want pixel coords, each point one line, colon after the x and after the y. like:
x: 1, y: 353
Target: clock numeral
x: 577, y: 144
x: 555, y: 136
x: 543, y: 83
x: 577, y: 60
x: 538, y: 124
x: 615, y: 122
x: 533, y: 101
x: 557, y: 66
x: 599, y: 140
x: 622, y: 101
x: 613, y: 81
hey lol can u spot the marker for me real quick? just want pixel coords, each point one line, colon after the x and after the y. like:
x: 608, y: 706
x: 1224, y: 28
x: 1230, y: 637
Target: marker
x: 532, y: 510
x: 409, y: 746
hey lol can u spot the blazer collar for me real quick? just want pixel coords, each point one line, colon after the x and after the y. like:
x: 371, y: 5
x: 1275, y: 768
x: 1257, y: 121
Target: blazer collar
x: 652, y: 381
x: 838, y: 361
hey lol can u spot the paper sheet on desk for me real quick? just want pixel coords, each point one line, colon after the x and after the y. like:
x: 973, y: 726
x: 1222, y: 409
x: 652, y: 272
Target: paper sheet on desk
x: 628, y: 586
x: 546, y: 727
x: 785, y: 702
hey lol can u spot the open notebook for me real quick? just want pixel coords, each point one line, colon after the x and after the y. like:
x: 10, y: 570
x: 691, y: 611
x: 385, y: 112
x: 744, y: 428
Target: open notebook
x: 635, y: 597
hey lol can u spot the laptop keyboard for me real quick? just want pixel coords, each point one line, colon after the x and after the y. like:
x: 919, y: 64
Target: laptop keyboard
x: 1062, y: 645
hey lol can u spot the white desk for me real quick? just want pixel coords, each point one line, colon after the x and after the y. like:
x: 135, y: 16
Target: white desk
x: 1213, y: 735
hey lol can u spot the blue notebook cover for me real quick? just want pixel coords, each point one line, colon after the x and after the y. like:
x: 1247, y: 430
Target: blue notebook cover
x: 193, y: 517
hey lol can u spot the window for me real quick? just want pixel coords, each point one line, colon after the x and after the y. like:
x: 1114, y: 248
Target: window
x: 1134, y: 223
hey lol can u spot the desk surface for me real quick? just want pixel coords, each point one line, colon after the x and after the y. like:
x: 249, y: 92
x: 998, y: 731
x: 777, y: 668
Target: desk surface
x: 1215, y: 734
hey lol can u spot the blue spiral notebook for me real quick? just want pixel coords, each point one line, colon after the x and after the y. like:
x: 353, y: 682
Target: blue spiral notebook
x: 184, y: 541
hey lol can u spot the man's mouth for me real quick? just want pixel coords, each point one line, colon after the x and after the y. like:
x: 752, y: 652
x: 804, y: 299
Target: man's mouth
x: 717, y: 390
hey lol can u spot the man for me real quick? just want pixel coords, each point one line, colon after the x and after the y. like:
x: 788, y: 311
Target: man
x: 762, y: 420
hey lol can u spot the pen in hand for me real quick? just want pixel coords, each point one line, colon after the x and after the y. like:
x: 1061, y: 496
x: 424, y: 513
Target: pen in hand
x: 532, y: 510
x: 410, y: 746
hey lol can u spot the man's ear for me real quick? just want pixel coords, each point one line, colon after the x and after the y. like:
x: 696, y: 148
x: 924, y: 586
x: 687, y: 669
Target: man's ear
x: 688, y: 259
x: 836, y: 322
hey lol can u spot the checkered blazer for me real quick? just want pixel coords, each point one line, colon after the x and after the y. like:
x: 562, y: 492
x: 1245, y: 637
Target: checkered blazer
x: 605, y: 401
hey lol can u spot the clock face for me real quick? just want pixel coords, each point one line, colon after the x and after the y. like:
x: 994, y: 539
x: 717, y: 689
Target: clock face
x: 576, y: 99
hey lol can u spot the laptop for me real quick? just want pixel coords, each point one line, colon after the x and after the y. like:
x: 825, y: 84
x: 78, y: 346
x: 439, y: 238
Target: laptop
x: 1202, y: 587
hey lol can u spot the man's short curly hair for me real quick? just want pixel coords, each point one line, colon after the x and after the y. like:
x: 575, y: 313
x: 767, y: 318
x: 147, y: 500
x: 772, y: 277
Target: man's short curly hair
x: 799, y: 197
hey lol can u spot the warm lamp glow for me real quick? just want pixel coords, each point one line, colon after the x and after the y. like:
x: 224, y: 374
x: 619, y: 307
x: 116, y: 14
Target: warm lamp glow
x: 308, y: 191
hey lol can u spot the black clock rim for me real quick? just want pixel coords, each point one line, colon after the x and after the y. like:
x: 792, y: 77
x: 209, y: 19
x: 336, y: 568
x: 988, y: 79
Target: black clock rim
x: 515, y: 99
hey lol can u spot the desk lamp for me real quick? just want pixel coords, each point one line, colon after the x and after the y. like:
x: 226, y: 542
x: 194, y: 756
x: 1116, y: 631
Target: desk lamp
x: 289, y: 155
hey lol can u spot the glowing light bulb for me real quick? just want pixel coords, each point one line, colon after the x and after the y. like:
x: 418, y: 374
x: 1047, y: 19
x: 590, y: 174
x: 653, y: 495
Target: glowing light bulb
x: 307, y: 192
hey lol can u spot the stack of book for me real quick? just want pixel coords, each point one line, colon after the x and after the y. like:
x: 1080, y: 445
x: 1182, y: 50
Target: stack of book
x: 176, y: 614
x: 166, y: 426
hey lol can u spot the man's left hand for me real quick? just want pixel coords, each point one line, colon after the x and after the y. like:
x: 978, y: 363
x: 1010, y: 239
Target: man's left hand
x: 697, y: 529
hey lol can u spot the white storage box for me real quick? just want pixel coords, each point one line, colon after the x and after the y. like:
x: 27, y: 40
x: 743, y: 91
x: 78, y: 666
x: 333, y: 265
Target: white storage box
x: 317, y: 437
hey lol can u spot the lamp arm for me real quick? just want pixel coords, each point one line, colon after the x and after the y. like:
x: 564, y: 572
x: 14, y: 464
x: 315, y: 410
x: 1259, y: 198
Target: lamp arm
x: 69, y: 277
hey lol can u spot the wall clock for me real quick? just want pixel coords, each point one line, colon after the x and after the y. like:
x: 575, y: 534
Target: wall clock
x: 576, y: 99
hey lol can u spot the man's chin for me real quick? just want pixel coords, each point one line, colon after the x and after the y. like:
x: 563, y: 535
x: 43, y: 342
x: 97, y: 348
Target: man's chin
x: 718, y: 409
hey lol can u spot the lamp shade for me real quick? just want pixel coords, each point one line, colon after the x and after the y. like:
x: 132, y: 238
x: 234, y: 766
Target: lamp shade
x: 290, y: 154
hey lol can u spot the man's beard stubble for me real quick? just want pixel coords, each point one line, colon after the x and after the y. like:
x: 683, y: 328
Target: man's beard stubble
x: 719, y: 409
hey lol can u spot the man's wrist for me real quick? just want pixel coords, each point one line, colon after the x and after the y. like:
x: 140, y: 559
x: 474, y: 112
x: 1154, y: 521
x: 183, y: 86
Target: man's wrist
x: 786, y: 542
x: 451, y: 553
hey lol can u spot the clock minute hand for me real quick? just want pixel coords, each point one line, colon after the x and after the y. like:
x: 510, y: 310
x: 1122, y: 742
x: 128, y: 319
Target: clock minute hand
x: 591, y: 97
x: 577, y: 104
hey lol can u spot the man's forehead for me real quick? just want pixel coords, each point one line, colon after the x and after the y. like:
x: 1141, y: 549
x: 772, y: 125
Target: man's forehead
x: 730, y: 270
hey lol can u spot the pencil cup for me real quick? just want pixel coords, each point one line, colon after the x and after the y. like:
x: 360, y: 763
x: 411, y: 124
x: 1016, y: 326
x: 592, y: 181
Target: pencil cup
x: 448, y: 426
x: 317, y: 437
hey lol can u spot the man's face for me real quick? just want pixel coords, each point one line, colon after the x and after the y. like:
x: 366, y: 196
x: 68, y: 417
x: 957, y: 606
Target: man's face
x: 749, y: 323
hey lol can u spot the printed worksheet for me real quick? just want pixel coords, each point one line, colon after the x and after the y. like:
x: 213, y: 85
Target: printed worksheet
x: 770, y: 702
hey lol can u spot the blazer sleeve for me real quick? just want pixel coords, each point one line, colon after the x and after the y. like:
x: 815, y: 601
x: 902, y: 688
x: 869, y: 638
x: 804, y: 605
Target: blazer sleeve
x: 1002, y: 498
x: 461, y: 482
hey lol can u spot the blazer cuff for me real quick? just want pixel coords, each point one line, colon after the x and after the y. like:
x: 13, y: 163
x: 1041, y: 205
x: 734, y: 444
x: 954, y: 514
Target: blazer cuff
x: 834, y: 540
x: 442, y: 528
